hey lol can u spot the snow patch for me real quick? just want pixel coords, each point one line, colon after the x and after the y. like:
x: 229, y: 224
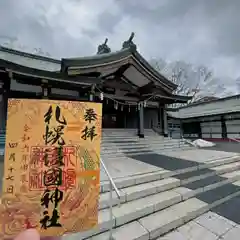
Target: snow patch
x: 203, y: 143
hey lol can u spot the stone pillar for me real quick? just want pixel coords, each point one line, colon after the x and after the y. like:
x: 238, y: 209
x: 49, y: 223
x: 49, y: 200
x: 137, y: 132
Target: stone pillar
x: 141, y: 120
x: 165, y: 126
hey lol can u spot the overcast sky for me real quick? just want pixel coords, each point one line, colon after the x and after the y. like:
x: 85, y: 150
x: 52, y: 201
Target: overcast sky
x: 196, y: 31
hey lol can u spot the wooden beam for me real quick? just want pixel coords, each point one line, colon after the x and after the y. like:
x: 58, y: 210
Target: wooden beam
x: 118, y: 83
x: 119, y: 72
x: 146, y: 88
x: 129, y: 82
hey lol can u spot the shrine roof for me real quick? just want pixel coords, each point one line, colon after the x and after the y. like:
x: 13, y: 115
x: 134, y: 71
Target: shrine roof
x: 29, y: 59
x: 173, y: 98
x: 125, y: 56
x: 20, y: 70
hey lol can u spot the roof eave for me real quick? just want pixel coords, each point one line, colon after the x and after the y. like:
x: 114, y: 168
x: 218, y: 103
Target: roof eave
x: 29, y: 55
x: 174, y: 98
x: 43, y: 74
x: 153, y: 70
x: 116, y: 56
x: 186, y: 98
x: 96, y: 59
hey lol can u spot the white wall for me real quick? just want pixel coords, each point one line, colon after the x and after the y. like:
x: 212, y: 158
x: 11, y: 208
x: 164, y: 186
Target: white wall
x: 211, y: 129
x: 233, y: 128
x: 174, y: 128
x: 210, y: 108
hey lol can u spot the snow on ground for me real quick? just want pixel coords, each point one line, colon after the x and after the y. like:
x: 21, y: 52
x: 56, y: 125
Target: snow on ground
x: 203, y: 143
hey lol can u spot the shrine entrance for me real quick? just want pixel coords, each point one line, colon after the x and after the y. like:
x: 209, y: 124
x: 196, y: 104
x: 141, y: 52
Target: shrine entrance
x: 112, y: 118
x: 109, y: 121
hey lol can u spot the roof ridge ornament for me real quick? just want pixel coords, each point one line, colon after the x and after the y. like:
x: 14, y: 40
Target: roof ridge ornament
x: 104, y: 48
x: 129, y: 43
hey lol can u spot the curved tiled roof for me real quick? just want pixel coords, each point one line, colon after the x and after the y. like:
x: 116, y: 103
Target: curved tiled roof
x: 108, y: 58
x: 29, y: 55
x: 51, y: 64
x: 29, y: 59
x: 212, y: 107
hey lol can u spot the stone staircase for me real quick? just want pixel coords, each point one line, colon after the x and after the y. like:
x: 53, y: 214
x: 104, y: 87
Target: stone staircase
x: 117, y: 142
x: 125, y: 142
x: 155, y: 203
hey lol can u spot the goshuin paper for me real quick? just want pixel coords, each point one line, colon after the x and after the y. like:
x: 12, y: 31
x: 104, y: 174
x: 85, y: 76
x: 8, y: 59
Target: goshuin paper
x: 51, y: 167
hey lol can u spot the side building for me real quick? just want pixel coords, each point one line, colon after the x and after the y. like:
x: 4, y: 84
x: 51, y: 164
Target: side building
x: 217, y: 120
x: 134, y: 94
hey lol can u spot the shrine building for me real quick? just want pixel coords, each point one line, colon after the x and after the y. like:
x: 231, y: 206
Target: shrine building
x: 133, y: 93
x: 213, y: 120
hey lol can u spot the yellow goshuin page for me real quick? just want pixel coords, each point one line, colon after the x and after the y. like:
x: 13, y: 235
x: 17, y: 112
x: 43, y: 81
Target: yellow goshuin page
x: 51, y: 167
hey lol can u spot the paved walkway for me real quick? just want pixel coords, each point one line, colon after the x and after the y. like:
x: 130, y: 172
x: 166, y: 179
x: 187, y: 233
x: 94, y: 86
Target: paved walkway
x: 223, y: 222
x: 200, y: 155
x: 209, y: 226
x: 125, y: 166
x: 177, y: 159
x: 227, y: 147
x: 171, y: 160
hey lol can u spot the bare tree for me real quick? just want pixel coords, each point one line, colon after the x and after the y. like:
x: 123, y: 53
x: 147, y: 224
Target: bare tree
x: 191, y: 81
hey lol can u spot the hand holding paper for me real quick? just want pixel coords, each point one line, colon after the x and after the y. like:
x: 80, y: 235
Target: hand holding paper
x: 51, y: 168
x: 32, y: 234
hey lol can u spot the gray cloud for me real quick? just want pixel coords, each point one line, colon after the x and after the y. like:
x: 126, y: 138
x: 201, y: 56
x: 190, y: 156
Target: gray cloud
x: 200, y: 32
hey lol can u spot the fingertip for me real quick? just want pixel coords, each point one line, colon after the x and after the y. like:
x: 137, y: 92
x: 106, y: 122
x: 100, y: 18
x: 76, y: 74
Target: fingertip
x: 29, y: 234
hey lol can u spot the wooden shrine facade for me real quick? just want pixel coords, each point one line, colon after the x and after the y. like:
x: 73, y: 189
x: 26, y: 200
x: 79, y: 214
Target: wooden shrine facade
x: 134, y: 95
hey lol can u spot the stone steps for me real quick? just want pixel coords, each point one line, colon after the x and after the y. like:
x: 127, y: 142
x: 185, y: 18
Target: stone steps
x: 154, y: 187
x: 116, y: 148
x: 138, y: 140
x: 161, y: 219
x: 127, y: 132
x: 157, y: 202
x: 129, y: 148
x: 126, y: 143
x: 163, y: 174
x: 119, y: 138
x: 137, y: 179
x: 116, y: 142
x: 119, y: 152
x: 185, y: 207
x: 161, y: 222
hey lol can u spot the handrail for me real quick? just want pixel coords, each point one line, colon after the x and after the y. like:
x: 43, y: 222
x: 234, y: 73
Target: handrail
x: 234, y: 139
x: 110, y: 179
x: 188, y: 142
x: 111, y: 185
